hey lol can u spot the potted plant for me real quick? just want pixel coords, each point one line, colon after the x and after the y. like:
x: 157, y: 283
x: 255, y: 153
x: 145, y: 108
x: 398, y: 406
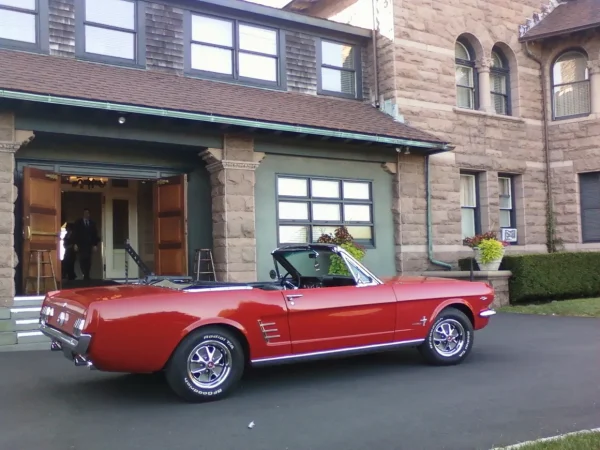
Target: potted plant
x: 488, y: 250
x: 345, y: 240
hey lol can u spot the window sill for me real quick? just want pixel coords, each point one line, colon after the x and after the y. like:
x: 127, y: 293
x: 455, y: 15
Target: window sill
x: 108, y: 61
x: 476, y: 112
x: 566, y: 120
x: 248, y: 82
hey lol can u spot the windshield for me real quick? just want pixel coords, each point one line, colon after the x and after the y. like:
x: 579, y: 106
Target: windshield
x: 308, y: 263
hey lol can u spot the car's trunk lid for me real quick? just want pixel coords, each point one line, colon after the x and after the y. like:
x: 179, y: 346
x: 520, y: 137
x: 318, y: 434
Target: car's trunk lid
x: 72, y: 305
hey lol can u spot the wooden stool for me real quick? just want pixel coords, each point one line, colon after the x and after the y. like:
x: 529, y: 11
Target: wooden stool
x: 40, y: 258
x: 204, y: 255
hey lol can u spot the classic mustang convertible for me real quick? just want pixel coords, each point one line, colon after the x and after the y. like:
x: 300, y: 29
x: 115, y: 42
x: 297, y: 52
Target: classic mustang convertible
x: 204, y: 334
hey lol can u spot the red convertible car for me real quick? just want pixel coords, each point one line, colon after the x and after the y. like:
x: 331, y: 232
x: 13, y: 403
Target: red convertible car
x: 203, y: 335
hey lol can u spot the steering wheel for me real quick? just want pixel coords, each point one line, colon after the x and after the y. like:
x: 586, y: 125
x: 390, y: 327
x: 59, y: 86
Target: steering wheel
x: 287, y: 283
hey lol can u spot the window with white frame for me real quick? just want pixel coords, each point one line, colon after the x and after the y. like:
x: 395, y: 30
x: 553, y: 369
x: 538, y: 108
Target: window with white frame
x: 469, y: 205
x: 308, y: 207
x: 507, y: 202
x: 499, y: 81
x: 466, y: 92
x: 338, y: 73
x: 110, y: 29
x: 19, y: 21
x: 571, y: 85
x: 233, y: 49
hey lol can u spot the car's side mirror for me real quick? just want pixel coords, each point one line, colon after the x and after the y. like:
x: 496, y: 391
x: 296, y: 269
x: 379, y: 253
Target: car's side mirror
x: 273, y: 274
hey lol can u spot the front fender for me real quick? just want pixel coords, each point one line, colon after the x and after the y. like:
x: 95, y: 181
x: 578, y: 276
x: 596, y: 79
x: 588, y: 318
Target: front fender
x: 449, y: 302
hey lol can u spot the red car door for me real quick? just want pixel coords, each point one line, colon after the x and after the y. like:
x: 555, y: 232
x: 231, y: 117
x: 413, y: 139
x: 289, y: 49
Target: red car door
x: 333, y: 318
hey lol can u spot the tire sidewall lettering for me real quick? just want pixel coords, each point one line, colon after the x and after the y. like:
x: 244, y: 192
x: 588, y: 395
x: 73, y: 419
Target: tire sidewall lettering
x: 218, y: 337
x: 197, y: 391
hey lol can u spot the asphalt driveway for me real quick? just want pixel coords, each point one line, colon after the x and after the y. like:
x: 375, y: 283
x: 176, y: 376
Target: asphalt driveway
x: 527, y: 377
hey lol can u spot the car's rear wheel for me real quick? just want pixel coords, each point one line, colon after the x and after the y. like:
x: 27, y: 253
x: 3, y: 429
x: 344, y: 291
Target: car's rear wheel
x: 207, y: 365
x: 450, y: 339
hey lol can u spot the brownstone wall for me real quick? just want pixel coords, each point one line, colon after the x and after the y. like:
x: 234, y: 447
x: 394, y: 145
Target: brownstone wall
x: 10, y: 141
x: 485, y: 142
x: 417, y: 72
x: 574, y: 143
x: 232, y: 179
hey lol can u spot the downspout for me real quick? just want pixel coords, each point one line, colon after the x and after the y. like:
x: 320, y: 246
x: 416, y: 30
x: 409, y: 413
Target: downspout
x: 432, y: 260
x: 375, y: 63
x: 550, y: 208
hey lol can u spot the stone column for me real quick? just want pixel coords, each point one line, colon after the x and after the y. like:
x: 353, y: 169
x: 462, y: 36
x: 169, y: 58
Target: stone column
x: 232, y: 177
x: 485, y: 96
x: 392, y: 169
x: 594, y: 68
x: 10, y: 141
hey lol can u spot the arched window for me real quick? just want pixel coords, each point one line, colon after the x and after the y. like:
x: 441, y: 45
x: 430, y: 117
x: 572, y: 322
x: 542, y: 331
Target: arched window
x: 499, y: 83
x: 571, y: 85
x: 466, y: 92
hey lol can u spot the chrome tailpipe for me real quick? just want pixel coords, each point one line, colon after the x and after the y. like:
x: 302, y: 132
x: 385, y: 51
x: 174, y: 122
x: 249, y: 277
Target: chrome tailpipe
x: 56, y: 346
x: 79, y: 361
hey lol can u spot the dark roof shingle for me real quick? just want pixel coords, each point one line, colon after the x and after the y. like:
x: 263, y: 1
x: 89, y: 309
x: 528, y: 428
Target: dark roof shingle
x: 65, y: 77
x: 570, y: 16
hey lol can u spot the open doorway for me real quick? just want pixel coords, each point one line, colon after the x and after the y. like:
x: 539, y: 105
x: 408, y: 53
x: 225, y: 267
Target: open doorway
x: 73, y: 204
x: 150, y: 214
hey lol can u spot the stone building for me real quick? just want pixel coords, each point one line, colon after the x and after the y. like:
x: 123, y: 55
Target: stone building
x: 514, y: 85
x: 212, y: 124
x: 222, y: 124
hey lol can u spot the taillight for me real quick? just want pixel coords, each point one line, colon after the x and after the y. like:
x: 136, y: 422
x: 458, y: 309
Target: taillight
x: 45, y: 313
x: 78, y: 327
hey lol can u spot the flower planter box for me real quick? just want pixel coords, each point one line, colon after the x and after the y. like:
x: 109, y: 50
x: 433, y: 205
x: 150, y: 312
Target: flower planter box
x: 490, y: 266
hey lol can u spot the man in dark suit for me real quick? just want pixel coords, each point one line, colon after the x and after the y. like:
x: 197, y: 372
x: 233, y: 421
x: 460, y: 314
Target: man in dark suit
x: 86, y: 240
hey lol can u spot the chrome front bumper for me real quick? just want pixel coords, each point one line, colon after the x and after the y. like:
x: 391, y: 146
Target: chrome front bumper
x: 74, y: 349
x: 487, y: 313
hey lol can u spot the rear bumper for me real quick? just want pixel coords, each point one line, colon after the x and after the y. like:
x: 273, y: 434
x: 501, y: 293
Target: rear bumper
x: 74, y: 349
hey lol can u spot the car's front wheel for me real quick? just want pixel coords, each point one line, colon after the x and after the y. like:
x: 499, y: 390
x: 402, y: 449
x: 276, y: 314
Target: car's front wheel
x: 449, y: 340
x: 207, y: 365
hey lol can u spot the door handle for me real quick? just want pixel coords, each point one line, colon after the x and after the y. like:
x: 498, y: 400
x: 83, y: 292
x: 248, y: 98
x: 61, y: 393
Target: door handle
x: 292, y: 297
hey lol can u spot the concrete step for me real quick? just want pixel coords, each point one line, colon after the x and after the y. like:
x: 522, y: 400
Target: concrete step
x: 8, y: 338
x: 7, y: 325
x: 36, y: 346
x: 5, y: 313
x: 30, y: 337
x: 19, y: 325
x: 28, y: 302
x: 26, y: 325
x: 29, y: 312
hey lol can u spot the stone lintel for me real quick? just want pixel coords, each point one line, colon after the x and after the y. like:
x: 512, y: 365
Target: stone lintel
x: 215, y: 162
x: 22, y: 138
x: 389, y: 167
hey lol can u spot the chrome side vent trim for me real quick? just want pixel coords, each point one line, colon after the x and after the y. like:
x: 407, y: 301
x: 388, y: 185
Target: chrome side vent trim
x: 269, y: 330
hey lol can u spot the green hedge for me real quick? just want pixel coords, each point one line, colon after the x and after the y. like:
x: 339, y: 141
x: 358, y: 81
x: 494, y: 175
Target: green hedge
x: 555, y: 276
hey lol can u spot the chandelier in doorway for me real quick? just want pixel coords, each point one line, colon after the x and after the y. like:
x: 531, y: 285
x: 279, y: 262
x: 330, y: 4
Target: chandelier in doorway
x: 89, y: 182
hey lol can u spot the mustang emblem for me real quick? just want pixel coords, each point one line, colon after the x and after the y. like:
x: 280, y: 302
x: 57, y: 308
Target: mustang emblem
x: 421, y: 322
x: 63, y: 318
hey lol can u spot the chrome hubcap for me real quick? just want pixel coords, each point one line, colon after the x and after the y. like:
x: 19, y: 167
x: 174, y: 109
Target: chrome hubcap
x: 449, y: 337
x: 209, y: 364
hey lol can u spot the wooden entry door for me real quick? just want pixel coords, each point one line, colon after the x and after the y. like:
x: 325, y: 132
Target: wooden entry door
x: 41, y: 227
x: 170, y: 226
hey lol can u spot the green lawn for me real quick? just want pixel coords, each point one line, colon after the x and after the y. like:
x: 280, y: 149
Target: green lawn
x: 586, y: 307
x: 585, y: 441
